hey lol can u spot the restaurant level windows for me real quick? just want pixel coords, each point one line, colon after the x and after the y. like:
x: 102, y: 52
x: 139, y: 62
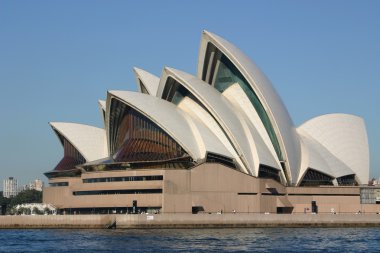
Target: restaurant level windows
x: 316, y: 178
x: 134, y: 137
x: 268, y: 172
x: 71, y: 157
x: 113, y: 192
x: 59, y: 184
x: 123, y: 179
x: 348, y: 180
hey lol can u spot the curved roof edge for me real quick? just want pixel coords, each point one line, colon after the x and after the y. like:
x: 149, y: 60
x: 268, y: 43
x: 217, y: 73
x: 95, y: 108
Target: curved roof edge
x: 271, y: 101
x: 102, y: 104
x: 102, y: 110
x: 266, y: 153
x: 183, y: 129
x: 344, y: 136
x: 319, y: 158
x: 216, y: 142
x: 147, y: 79
x: 90, y: 141
x: 221, y: 109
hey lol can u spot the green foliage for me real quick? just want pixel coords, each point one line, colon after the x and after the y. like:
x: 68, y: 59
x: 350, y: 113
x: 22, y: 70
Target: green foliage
x: 37, y: 211
x: 4, y: 203
x: 47, y: 210
x: 27, y: 196
x: 4, y: 200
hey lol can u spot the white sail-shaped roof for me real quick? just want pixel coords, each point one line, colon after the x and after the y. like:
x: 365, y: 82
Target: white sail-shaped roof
x: 146, y: 82
x: 102, y: 108
x: 102, y: 104
x: 345, y: 137
x: 238, y: 131
x: 269, y: 98
x: 194, y: 110
x: 90, y: 141
x: 191, y: 134
x: 321, y: 159
x: 264, y: 148
x: 229, y: 109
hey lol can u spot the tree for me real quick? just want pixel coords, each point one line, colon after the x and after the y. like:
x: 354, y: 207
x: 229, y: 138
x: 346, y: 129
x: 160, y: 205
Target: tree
x: 4, y: 203
x: 27, y: 196
x: 21, y: 210
x: 37, y: 211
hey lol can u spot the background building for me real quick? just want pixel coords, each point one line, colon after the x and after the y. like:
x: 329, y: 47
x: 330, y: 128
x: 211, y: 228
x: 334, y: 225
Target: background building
x: 10, y: 188
x: 37, y: 185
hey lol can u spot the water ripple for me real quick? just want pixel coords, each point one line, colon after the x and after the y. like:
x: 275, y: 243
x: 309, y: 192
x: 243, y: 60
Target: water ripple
x: 193, y: 240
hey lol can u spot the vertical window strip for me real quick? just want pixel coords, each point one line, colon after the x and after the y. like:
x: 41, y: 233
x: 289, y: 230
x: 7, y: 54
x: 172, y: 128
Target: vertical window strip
x: 223, y: 73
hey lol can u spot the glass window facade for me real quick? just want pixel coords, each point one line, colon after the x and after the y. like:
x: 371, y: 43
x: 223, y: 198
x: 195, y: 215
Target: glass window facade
x: 134, y: 137
x: 222, y: 73
x: 370, y: 195
x: 316, y: 178
x: 59, y: 184
x: 64, y: 173
x: 124, y: 179
x: 216, y: 158
x: 268, y: 172
x: 179, y: 94
x: 112, y: 192
x: 347, y: 180
x: 71, y: 157
x: 174, y: 92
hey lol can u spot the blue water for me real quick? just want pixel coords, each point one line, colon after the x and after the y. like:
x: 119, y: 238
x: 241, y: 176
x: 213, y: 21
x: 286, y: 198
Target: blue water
x: 193, y: 240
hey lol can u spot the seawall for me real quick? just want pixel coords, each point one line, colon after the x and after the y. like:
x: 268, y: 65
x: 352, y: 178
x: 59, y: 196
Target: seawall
x: 190, y: 221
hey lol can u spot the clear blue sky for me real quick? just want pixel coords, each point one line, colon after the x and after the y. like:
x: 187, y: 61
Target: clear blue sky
x: 57, y: 58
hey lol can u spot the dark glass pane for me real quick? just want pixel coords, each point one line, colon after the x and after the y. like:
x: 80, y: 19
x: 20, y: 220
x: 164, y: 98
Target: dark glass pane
x: 71, y: 157
x: 216, y: 158
x: 269, y: 172
x: 123, y: 179
x: 143, y: 89
x: 134, y: 137
x: 226, y: 75
x: 315, y: 178
x: 347, y: 180
x: 113, y: 192
x: 179, y: 94
x: 65, y: 173
x: 59, y: 184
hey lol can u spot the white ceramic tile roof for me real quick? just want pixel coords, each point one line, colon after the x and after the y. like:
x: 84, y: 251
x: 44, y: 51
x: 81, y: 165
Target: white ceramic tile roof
x: 264, y: 148
x: 191, y: 134
x: 227, y: 123
x: 191, y: 108
x: 321, y: 159
x: 149, y: 81
x: 345, y: 136
x: 102, y: 104
x: 273, y: 104
x: 224, y: 113
x: 90, y: 141
x: 102, y: 108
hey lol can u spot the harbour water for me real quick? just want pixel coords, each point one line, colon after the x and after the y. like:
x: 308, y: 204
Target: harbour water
x: 192, y: 240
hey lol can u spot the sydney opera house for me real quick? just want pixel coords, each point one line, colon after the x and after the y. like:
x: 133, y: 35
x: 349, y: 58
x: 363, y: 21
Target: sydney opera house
x: 222, y: 140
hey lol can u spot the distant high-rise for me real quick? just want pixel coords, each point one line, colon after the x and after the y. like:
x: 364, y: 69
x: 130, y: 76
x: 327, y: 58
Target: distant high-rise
x: 10, y: 187
x: 37, y: 185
